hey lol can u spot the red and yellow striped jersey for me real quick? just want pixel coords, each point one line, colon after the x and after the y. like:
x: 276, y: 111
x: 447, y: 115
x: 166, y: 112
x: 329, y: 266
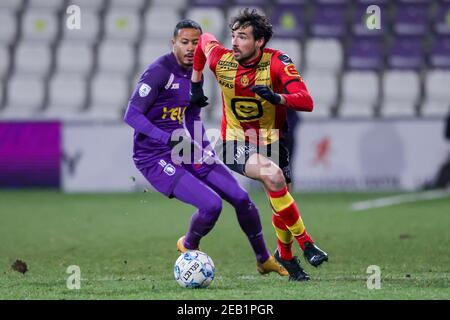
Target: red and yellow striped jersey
x: 243, y: 110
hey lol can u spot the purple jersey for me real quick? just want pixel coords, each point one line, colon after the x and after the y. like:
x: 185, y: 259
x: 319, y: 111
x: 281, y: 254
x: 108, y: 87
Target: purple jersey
x: 162, y: 96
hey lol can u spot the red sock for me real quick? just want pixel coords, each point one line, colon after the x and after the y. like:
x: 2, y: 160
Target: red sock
x: 303, y: 238
x: 285, y: 246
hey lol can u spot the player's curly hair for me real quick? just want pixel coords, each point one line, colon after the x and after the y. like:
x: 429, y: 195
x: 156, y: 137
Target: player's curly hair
x: 262, y: 28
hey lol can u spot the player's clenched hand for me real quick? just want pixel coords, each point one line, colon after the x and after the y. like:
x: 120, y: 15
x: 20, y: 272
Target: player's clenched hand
x: 197, y: 96
x: 266, y: 93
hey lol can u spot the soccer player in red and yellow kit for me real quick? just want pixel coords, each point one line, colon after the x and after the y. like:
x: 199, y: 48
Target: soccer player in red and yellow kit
x: 258, y: 84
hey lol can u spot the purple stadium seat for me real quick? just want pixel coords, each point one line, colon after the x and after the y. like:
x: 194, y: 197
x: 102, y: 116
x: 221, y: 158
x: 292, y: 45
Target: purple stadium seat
x: 365, y: 54
x: 288, y: 21
x: 440, y: 53
x: 370, y: 2
x: 332, y: 1
x: 329, y: 21
x: 411, y: 20
x: 359, y: 26
x: 414, y: 1
x: 258, y: 3
x: 406, y: 53
x: 442, y: 22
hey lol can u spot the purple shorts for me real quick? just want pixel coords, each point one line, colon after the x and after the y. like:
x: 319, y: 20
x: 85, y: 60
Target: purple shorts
x: 164, y: 175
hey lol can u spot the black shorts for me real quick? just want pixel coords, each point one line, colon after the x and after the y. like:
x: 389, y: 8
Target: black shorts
x: 235, y: 155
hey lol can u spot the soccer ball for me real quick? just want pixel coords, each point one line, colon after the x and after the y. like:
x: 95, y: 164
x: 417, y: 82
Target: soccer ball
x: 194, y: 269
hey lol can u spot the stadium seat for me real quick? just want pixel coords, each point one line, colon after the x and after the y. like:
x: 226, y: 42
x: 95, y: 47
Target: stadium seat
x: 440, y: 53
x: 150, y: 50
x: 127, y: 4
x: 160, y: 22
x: 49, y: 5
x: 324, y: 55
x: 323, y: 89
x: 365, y: 54
x: 411, y: 20
x: 401, y: 90
x: 210, y: 19
x: 288, y: 21
x: 441, y: 25
x: 89, y: 32
x: 115, y: 57
x: 25, y: 97
x: 4, y: 62
x: 359, y: 23
x: 437, y: 93
x: 67, y: 96
x: 258, y: 3
x: 174, y: 4
x: 370, y: 2
x: 33, y: 58
x: 8, y: 31
x: 90, y: 6
x: 74, y: 58
x: 122, y: 24
x: 39, y: 25
x: 108, y: 97
x: 11, y: 5
x: 289, y: 46
x: 329, y: 21
x: 406, y: 53
x: 360, y: 92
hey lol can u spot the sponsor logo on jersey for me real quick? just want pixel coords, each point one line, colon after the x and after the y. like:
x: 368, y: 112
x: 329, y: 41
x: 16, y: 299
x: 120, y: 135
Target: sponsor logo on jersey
x: 144, y: 90
x: 285, y: 59
x: 291, y: 71
x: 169, y: 170
x: 175, y: 86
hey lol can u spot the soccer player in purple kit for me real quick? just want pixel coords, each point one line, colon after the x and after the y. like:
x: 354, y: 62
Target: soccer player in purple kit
x: 159, y: 107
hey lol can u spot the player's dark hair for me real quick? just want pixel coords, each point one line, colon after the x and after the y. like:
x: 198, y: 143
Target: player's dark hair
x: 186, y: 24
x: 262, y: 28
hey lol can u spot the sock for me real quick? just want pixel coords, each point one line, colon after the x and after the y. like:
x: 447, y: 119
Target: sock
x: 284, y: 237
x: 286, y: 208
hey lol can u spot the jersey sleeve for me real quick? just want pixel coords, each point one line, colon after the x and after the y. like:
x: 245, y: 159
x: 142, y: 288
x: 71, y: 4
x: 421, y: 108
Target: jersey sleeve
x: 290, y: 84
x: 143, y: 97
x: 210, y: 50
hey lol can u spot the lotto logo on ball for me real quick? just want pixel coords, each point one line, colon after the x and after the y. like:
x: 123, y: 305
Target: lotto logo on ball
x: 194, y: 269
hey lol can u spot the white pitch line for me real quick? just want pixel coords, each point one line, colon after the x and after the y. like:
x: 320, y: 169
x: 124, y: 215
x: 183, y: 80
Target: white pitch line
x: 403, y: 198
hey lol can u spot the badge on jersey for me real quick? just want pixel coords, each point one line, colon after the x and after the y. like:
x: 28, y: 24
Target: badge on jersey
x: 291, y: 71
x: 285, y: 59
x: 144, y: 90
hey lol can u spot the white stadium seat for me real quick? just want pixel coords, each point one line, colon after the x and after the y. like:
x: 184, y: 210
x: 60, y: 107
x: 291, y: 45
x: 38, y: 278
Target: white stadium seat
x: 109, y: 96
x: 437, y: 93
x: 8, y: 31
x: 121, y: 24
x: 25, y: 97
x: 291, y: 47
x: 401, y: 91
x: 323, y: 89
x: 150, y: 50
x: 324, y: 55
x: 160, y: 22
x: 74, y: 58
x: 33, y: 58
x: 115, y: 57
x: 67, y: 95
x: 211, y: 19
x: 360, y: 91
x: 89, y: 31
x: 12, y: 5
x: 52, y: 5
x: 4, y: 61
x: 128, y: 4
x: 39, y: 25
x: 92, y: 6
x: 174, y: 4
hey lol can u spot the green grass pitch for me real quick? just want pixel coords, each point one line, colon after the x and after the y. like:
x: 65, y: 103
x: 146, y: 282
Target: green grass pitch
x: 124, y: 245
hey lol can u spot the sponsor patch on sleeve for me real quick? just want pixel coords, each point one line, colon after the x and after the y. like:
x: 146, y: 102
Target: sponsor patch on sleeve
x: 291, y: 71
x: 285, y: 59
x: 144, y: 90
